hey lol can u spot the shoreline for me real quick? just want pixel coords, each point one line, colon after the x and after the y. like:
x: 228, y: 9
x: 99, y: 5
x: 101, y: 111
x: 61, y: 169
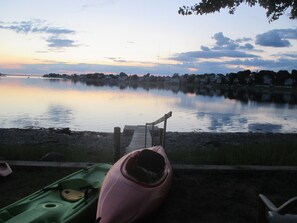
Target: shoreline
x: 90, y: 138
x: 198, y: 140
x: 90, y: 143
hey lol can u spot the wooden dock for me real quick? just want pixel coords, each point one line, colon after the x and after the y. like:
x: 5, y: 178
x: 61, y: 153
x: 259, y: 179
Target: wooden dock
x: 142, y: 133
x: 139, y: 137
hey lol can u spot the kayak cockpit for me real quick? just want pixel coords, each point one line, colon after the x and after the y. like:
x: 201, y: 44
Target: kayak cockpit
x: 146, y: 167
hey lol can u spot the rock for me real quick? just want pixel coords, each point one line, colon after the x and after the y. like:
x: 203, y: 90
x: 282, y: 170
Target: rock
x: 64, y: 131
x: 212, y: 144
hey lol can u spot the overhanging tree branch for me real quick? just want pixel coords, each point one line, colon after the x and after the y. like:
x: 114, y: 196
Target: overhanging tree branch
x: 274, y: 8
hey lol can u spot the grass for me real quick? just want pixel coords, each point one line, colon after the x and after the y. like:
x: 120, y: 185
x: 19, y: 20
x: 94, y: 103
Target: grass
x: 36, y: 152
x: 256, y: 154
x: 284, y: 154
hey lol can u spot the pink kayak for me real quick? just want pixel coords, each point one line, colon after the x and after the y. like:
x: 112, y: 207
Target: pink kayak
x: 135, y: 186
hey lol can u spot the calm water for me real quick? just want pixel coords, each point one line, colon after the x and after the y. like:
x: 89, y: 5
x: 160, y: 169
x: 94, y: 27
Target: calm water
x: 39, y: 102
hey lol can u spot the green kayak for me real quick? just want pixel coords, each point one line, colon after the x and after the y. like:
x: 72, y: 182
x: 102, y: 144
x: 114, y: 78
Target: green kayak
x: 70, y: 199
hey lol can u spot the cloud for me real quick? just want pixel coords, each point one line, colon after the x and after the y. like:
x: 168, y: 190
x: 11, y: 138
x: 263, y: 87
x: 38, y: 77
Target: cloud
x: 271, y: 39
x: 224, y: 47
x: 290, y: 55
x: 244, y: 39
x: 228, y: 55
x: 276, y: 64
x: 287, y: 33
x: 87, y: 6
x: 200, y: 67
x: 223, y: 42
x: 57, y: 42
x: 58, y: 31
x: 207, y: 54
x: 247, y: 46
x: 35, y: 26
x: 225, y: 55
x: 56, y: 38
x: 204, y: 48
x: 276, y: 38
x: 117, y: 59
x: 235, y: 65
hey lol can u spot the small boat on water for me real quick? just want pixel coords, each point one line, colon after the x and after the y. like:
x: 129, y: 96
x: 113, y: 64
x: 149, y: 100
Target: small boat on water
x: 73, y: 199
x: 135, y: 186
x: 5, y: 169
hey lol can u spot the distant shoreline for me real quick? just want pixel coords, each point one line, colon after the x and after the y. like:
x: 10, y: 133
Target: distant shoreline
x: 264, y: 78
x: 277, y: 94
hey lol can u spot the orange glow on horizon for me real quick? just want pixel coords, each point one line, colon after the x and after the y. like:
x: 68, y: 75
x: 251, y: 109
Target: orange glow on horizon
x: 15, y: 60
x: 82, y: 100
x: 11, y: 66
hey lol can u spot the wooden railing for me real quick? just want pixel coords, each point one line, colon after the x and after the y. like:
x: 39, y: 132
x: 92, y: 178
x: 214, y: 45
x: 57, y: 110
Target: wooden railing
x: 162, y: 133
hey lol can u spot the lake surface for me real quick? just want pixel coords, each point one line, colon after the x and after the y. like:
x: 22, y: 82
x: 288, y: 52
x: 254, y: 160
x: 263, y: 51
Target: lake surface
x: 41, y: 102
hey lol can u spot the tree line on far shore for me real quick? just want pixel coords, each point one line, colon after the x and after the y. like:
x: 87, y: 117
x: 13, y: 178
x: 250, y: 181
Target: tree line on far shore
x: 282, y: 78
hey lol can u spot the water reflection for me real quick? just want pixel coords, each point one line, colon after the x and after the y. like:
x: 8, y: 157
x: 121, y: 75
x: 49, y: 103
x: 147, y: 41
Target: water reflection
x: 264, y: 127
x: 59, y: 114
x: 41, y: 102
x: 244, y: 95
x: 223, y: 122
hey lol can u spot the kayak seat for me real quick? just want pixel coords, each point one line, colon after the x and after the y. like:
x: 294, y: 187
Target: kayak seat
x: 72, y: 195
x: 146, y: 167
x: 73, y: 189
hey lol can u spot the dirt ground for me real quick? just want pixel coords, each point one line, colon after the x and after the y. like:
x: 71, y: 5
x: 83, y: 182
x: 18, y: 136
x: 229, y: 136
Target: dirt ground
x: 201, y: 196
x: 196, y: 196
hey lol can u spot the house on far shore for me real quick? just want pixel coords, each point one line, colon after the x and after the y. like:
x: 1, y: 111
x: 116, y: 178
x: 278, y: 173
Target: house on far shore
x: 267, y: 80
x: 289, y: 82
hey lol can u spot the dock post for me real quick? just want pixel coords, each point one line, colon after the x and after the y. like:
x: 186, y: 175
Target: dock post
x: 161, y: 136
x: 164, y: 129
x: 145, y: 132
x: 117, y: 144
x: 153, y: 132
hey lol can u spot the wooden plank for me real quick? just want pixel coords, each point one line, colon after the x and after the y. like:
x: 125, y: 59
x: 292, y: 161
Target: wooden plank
x: 176, y: 167
x: 134, y: 127
x: 193, y: 168
x: 49, y: 164
x: 138, y: 139
x: 162, y: 119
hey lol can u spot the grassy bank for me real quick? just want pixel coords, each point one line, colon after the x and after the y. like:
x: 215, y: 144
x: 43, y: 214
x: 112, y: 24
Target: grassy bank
x: 71, y: 154
x: 284, y: 154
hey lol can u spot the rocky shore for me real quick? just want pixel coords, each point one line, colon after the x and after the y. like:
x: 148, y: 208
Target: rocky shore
x: 215, y: 196
x: 98, y: 141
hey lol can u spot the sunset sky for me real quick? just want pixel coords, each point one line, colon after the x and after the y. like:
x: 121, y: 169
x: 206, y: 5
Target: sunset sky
x: 139, y: 37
